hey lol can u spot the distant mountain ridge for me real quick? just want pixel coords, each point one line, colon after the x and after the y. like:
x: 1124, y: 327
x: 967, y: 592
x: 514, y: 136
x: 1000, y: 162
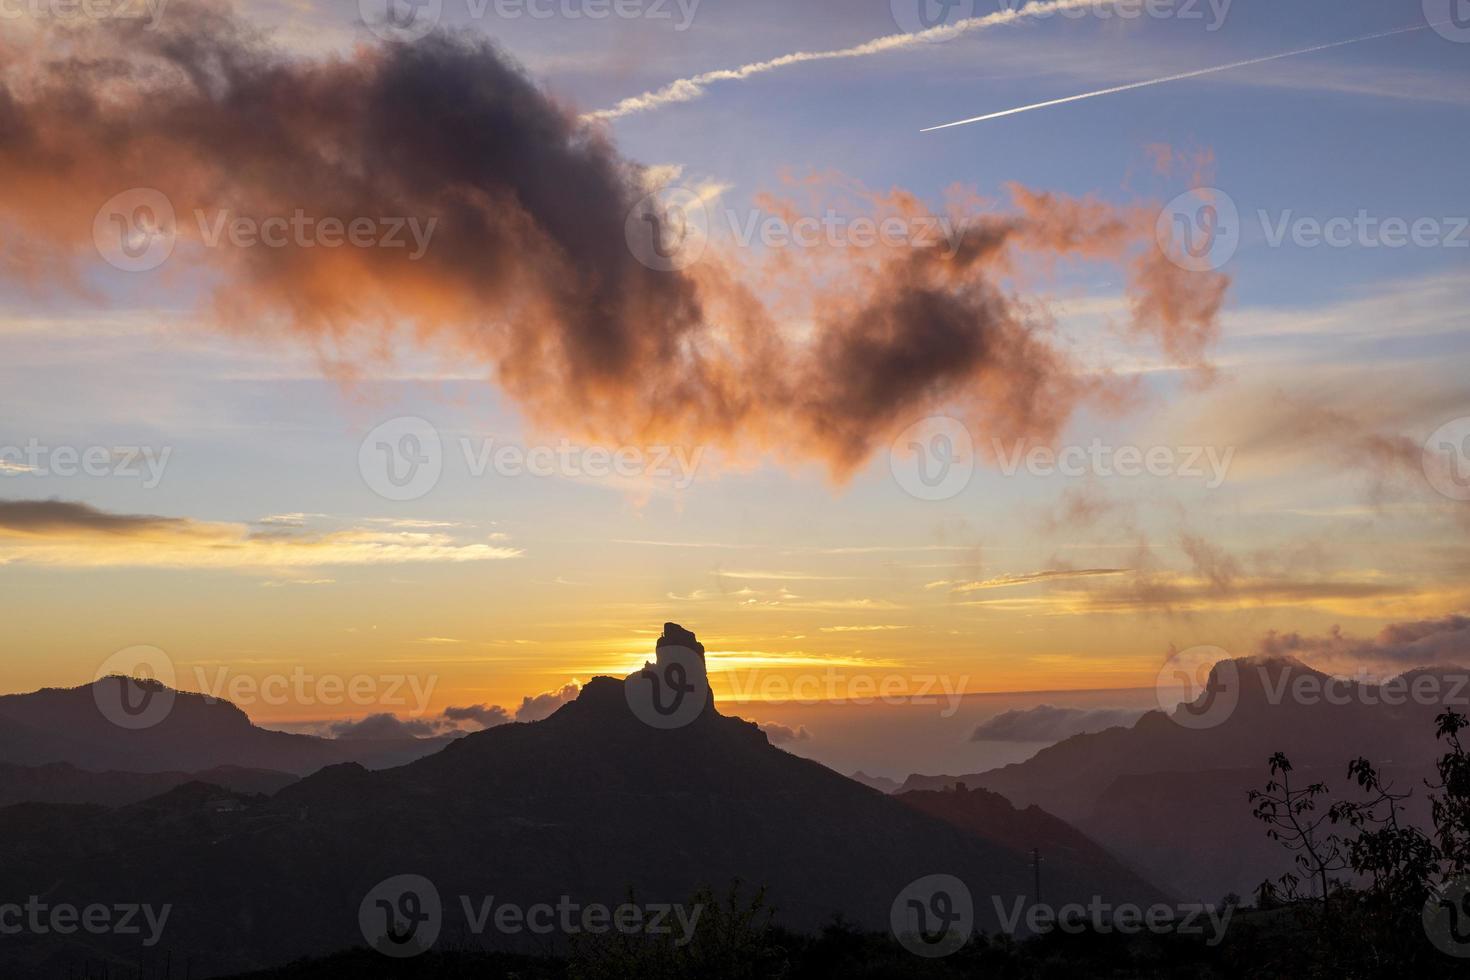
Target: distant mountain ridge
x: 1165, y: 775
x: 881, y: 783
x: 61, y: 782
x: 65, y: 725
x: 1068, y: 777
x: 1024, y: 831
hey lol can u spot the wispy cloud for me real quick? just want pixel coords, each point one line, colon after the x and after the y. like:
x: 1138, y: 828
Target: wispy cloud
x: 727, y: 659
x: 1177, y: 77
x: 1421, y: 643
x: 882, y: 549
x: 55, y: 532
x: 1004, y: 581
x: 681, y: 544
x: 286, y: 520
x: 1363, y: 595
x: 691, y: 88
x: 795, y: 604
x: 779, y: 576
x: 406, y: 524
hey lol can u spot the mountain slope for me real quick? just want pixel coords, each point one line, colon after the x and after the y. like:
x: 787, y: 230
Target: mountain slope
x: 1068, y: 778
x: 1194, y: 832
x: 65, y: 725
x: 1172, y: 800
x: 881, y: 783
x: 588, y: 804
x: 992, y: 816
x: 60, y: 782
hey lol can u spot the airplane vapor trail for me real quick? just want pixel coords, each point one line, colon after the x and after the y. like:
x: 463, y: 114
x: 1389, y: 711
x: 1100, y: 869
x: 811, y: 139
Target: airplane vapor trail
x: 1174, y: 78
x: 688, y: 89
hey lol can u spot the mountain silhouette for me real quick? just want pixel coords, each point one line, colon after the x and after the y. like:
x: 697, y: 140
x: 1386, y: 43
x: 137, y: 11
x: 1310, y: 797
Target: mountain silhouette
x: 1143, y: 791
x: 594, y: 803
x: 61, y: 782
x: 1193, y: 832
x: 881, y: 783
x: 66, y: 725
x: 993, y: 817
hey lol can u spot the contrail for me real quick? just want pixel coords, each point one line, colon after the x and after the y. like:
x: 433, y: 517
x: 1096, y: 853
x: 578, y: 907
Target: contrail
x: 688, y: 89
x: 1174, y: 78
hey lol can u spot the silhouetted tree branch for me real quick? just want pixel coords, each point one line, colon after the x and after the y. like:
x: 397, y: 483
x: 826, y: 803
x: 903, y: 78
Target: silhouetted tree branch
x: 1293, y: 819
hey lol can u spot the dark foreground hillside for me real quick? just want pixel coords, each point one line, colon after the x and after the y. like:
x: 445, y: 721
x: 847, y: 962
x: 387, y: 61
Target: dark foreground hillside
x: 1273, y: 945
x: 593, y: 806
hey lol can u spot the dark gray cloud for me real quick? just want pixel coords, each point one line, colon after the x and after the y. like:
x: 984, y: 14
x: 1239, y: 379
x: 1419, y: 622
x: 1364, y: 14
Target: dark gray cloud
x: 384, y: 725
x: 484, y: 715
x: 65, y: 517
x: 1416, y: 643
x: 780, y: 734
x: 537, y: 706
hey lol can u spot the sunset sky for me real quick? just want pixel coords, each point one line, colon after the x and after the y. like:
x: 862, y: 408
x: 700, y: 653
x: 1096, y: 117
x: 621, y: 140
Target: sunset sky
x: 793, y: 550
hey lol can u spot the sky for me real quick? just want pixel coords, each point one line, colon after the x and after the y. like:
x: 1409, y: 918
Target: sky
x: 254, y: 414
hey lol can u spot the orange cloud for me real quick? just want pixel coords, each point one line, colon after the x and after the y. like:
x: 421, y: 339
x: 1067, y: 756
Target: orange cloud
x: 529, y: 270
